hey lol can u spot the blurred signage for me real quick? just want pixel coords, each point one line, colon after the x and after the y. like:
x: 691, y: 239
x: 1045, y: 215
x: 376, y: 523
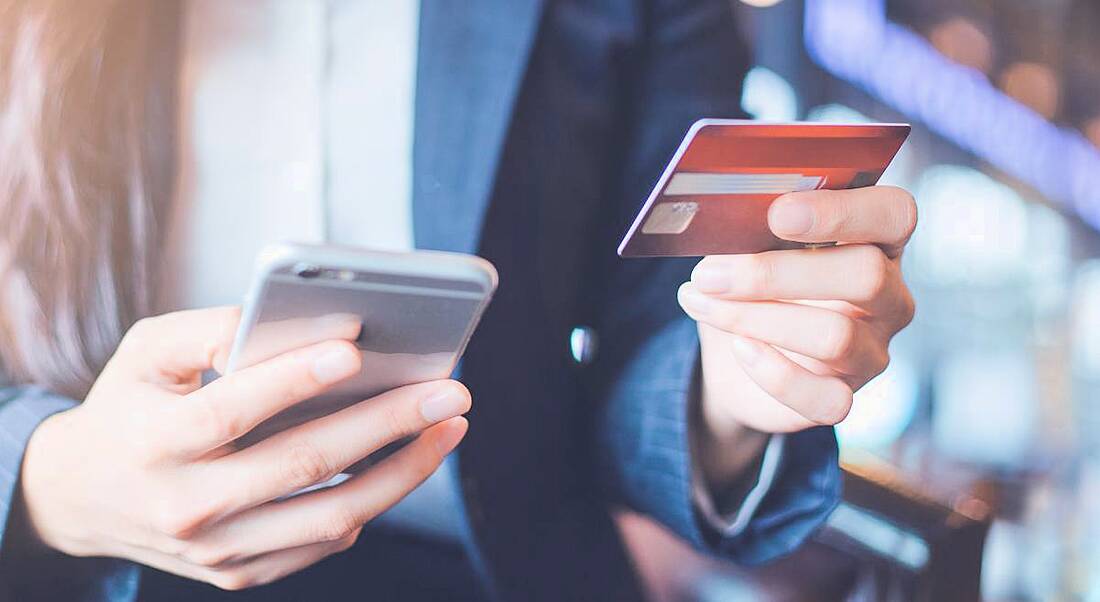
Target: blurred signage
x: 855, y: 41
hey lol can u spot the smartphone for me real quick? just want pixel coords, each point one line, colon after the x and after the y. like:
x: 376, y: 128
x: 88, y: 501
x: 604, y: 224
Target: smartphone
x: 714, y: 196
x: 410, y: 314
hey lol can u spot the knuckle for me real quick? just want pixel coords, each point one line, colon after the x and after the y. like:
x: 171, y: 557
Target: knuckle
x: 344, y: 544
x: 178, y: 548
x: 880, y: 362
x: 839, y: 340
x: 147, y: 449
x: 305, y: 465
x: 782, y: 374
x: 349, y: 541
x: 758, y: 275
x: 395, y: 421
x: 210, y: 419
x: 908, y: 310
x: 834, y: 213
x: 139, y: 333
x: 341, y: 525
x: 907, y: 212
x: 232, y: 581
x: 834, y: 411
x: 874, y: 270
x: 206, y: 555
x: 178, y: 521
x: 730, y: 317
x: 148, y: 453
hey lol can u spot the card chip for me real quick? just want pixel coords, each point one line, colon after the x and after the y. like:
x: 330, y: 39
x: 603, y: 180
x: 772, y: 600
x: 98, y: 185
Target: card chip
x: 670, y: 218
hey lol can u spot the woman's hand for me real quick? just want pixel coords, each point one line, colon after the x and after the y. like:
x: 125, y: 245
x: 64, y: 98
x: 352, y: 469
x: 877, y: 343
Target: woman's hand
x: 788, y: 336
x: 145, y: 468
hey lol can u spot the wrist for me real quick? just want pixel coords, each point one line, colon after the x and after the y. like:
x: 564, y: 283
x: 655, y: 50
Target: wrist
x: 36, y: 506
x: 727, y: 451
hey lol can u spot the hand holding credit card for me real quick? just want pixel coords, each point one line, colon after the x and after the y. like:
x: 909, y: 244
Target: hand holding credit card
x: 787, y: 331
x: 714, y: 196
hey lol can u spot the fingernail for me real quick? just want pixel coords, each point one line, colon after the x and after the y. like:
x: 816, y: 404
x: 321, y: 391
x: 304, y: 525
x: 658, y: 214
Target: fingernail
x: 791, y: 217
x: 746, y: 351
x: 441, y: 405
x: 452, y: 434
x: 335, y: 365
x: 710, y: 279
x: 694, y: 301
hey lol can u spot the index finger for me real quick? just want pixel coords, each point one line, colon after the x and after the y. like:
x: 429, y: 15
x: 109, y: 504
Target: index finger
x: 881, y: 215
x: 314, y: 452
x: 234, y: 404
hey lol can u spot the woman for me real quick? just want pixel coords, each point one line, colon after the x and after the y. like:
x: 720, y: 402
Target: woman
x: 527, y: 119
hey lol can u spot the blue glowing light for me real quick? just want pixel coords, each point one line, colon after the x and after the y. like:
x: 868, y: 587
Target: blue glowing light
x: 853, y: 40
x: 884, y: 407
x: 769, y: 97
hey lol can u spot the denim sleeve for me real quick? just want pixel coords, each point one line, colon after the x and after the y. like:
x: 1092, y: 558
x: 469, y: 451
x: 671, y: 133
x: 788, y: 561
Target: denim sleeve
x: 31, y: 574
x: 733, y: 519
x: 691, y: 64
x: 649, y: 466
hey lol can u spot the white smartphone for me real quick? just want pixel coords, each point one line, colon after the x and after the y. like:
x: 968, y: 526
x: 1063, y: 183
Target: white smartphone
x: 410, y: 314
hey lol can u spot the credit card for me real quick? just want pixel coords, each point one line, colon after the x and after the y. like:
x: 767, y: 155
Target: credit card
x: 713, y: 197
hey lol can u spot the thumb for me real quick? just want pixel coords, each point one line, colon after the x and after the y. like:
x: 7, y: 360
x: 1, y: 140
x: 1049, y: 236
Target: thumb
x: 178, y: 347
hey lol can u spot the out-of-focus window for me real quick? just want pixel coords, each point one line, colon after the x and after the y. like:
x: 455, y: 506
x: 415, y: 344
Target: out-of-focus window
x: 996, y: 385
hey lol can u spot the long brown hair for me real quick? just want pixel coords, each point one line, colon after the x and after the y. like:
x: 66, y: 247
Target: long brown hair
x: 86, y: 114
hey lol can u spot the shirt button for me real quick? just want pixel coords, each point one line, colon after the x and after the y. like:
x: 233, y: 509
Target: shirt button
x: 583, y: 344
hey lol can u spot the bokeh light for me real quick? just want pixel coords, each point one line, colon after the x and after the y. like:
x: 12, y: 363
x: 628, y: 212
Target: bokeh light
x: 884, y: 407
x: 768, y: 97
x: 853, y: 40
x: 986, y: 407
x: 1092, y: 130
x: 962, y: 41
x: 973, y: 229
x: 1086, y: 320
x: 1034, y: 85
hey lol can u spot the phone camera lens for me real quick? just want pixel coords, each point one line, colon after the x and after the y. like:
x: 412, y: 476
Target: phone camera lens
x: 305, y: 270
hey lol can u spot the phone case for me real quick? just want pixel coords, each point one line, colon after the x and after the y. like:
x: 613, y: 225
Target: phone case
x: 410, y: 314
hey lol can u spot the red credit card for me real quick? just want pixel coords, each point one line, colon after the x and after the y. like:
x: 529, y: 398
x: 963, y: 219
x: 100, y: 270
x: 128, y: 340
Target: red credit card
x: 714, y: 196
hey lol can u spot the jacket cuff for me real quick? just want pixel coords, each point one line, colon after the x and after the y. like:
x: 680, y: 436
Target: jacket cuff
x: 731, y: 522
x: 647, y: 445
x: 805, y: 491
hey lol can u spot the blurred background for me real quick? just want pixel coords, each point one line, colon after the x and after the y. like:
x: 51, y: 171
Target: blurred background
x: 978, y: 451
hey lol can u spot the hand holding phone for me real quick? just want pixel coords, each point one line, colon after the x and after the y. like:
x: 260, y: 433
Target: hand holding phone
x: 147, y: 468
x: 409, y: 314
